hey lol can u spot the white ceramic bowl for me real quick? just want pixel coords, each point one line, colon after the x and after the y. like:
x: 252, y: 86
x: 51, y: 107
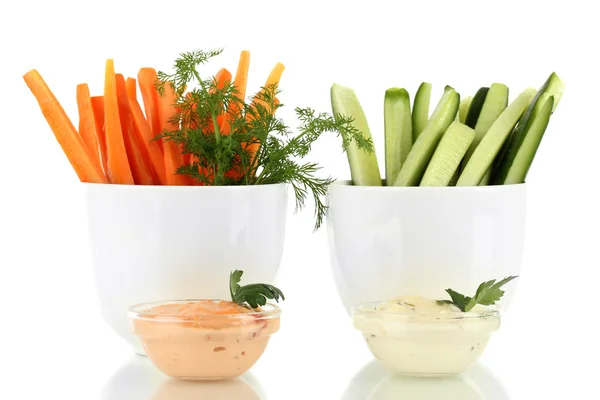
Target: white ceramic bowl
x: 154, y: 243
x: 392, y: 241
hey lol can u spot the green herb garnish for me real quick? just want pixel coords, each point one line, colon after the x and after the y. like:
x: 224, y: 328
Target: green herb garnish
x: 255, y: 294
x: 261, y: 148
x: 488, y: 293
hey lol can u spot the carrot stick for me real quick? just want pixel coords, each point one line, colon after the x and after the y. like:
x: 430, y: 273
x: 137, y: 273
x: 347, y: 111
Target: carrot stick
x: 241, y: 75
x: 98, y: 107
x: 139, y: 160
x: 87, y: 123
x: 172, y: 152
x: 273, y: 79
x: 143, y: 130
x: 147, y: 80
x: 131, y: 85
x: 64, y: 130
x: 222, y: 77
x: 118, y: 164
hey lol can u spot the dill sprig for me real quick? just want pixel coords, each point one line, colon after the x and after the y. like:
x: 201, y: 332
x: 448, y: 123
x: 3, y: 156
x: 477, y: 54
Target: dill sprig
x: 260, y: 148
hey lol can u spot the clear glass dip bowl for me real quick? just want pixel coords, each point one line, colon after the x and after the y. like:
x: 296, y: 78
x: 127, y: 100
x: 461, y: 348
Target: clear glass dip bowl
x: 202, y: 346
x: 424, y: 345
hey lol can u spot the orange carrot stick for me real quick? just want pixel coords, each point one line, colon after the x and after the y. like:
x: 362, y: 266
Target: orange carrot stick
x: 241, y: 75
x: 131, y: 85
x: 118, y: 164
x: 139, y: 160
x: 172, y: 152
x: 98, y: 107
x: 64, y: 130
x: 87, y: 123
x: 145, y: 133
x: 222, y: 77
x: 147, y: 80
x: 273, y: 79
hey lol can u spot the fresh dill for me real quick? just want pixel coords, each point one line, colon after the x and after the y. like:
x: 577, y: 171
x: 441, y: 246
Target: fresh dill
x: 234, y: 142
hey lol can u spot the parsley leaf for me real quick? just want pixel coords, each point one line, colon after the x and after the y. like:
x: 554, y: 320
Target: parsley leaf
x: 488, y: 293
x: 255, y: 294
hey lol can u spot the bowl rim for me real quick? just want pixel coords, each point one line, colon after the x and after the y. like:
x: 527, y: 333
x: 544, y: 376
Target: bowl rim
x: 369, y: 309
x: 141, y: 312
x: 347, y: 184
x: 186, y: 188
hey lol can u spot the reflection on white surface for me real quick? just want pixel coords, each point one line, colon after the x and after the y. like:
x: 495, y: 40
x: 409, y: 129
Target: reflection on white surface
x: 138, y: 379
x: 374, y: 382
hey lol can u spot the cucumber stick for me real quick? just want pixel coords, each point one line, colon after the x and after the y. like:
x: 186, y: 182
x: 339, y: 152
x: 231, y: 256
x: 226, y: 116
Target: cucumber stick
x: 463, y: 109
x: 448, y: 154
x: 424, y: 147
x: 476, y: 106
x: 398, y: 131
x: 490, y: 145
x: 364, y: 169
x: 552, y: 87
x: 420, y: 112
x: 520, y: 166
x: 495, y: 102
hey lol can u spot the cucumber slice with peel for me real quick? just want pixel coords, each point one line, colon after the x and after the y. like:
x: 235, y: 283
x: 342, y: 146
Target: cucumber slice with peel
x: 364, y: 169
x: 463, y: 109
x: 416, y: 162
x: 552, y: 87
x: 448, y: 155
x: 420, y: 112
x: 495, y: 102
x: 520, y: 166
x: 492, y: 142
x: 476, y: 106
x: 398, y: 131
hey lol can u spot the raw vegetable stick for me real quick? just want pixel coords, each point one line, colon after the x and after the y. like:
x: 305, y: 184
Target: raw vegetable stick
x: 495, y: 102
x: 241, y: 78
x: 118, y: 165
x: 463, y: 109
x: 171, y: 151
x: 221, y: 79
x: 420, y: 154
x: 147, y: 79
x: 420, y: 112
x: 98, y: 107
x: 398, y: 131
x: 520, y: 166
x: 87, y: 123
x: 490, y: 145
x: 553, y: 87
x: 272, y: 80
x: 131, y: 85
x: 143, y: 129
x: 364, y: 169
x: 63, y: 130
x: 448, y: 154
x: 139, y: 160
x: 475, y: 107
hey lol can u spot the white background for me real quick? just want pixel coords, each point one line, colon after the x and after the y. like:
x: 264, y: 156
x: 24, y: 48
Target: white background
x: 53, y: 344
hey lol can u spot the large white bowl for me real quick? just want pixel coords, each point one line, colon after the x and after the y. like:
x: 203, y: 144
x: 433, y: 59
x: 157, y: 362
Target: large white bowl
x: 391, y: 241
x: 157, y: 243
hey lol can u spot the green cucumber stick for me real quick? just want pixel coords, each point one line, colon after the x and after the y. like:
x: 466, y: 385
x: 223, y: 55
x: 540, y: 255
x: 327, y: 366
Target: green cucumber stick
x: 495, y: 102
x: 448, y: 154
x: 420, y: 111
x: 520, y: 166
x: 416, y: 162
x: 364, y: 169
x: 490, y: 145
x: 398, y: 131
x: 463, y: 109
x: 553, y: 86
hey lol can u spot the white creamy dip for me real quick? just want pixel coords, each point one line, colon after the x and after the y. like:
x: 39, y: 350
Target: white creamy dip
x: 412, y: 335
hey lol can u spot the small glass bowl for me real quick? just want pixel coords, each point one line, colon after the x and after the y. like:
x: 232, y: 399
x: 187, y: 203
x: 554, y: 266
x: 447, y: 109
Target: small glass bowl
x: 203, y: 346
x: 425, y: 345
